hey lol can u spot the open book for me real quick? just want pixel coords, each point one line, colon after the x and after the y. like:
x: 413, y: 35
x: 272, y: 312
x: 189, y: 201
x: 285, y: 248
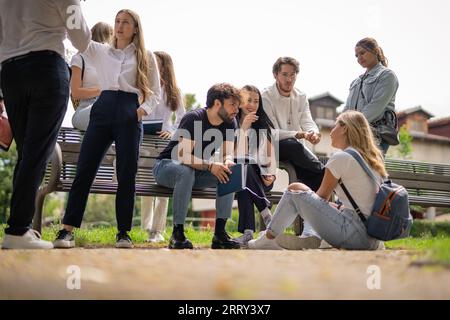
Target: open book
x: 152, y: 126
x: 237, y: 180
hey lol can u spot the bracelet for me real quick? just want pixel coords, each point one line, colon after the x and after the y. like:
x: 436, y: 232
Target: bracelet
x: 210, y: 166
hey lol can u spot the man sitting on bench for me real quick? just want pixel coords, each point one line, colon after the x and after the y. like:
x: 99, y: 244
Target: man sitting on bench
x: 190, y: 161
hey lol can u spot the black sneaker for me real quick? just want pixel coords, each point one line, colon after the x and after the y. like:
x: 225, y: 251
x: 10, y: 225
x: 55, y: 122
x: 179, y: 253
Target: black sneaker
x: 123, y: 241
x: 179, y: 241
x: 64, y: 239
x: 224, y: 241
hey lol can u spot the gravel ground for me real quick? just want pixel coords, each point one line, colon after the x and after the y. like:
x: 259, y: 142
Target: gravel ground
x: 145, y: 273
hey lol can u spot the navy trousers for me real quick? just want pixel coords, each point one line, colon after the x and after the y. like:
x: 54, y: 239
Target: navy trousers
x: 113, y: 119
x: 247, y: 200
x: 36, y: 93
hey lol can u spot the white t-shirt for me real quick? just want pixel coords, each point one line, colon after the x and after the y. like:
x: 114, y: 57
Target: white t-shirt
x: 360, y: 186
x: 90, y: 78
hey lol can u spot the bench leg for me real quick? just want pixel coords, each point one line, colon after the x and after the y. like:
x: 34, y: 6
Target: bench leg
x: 39, y: 204
x: 431, y: 213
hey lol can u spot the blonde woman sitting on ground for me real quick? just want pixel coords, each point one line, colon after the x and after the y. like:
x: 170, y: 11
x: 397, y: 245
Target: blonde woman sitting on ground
x: 339, y: 225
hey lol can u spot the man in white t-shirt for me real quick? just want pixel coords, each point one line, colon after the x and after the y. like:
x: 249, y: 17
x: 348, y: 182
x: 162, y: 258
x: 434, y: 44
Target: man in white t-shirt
x: 288, y: 109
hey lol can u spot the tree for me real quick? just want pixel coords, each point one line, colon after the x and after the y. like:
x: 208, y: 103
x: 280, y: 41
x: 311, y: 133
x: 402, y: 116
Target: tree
x: 405, y: 146
x: 191, y: 101
x: 7, y: 163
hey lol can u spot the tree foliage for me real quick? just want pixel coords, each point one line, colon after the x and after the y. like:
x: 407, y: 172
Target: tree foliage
x: 7, y: 163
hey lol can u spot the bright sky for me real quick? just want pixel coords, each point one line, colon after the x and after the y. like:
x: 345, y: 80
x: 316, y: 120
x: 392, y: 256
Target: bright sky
x: 238, y: 41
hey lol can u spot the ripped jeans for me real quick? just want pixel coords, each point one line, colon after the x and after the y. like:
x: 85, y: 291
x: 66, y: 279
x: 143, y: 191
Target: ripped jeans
x: 340, y: 228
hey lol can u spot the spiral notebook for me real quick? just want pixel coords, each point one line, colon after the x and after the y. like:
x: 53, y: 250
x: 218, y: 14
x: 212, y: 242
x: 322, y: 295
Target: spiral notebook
x: 237, y: 180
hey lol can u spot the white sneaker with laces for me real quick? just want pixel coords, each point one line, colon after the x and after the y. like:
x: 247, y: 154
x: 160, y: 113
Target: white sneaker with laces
x: 29, y: 240
x: 263, y: 243
x: 155, y: 237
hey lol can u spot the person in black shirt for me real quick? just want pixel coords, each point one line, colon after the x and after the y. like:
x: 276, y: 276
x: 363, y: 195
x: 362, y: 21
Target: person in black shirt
x: 199, y: 156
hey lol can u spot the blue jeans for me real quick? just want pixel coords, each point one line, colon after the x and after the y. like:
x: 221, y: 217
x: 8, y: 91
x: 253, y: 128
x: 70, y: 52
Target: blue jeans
x: 341, y: 229
x: 183, y: 179
x: 384, y: 146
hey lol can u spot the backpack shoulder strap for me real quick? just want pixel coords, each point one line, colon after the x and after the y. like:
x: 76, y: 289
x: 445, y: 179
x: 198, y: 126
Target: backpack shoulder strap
x: 82, y: 67
x: 352, y: 201
x: 363, y: 164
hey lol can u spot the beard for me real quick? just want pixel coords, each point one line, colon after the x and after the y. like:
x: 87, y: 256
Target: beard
x: 285, y: 88
x: 224, y: 115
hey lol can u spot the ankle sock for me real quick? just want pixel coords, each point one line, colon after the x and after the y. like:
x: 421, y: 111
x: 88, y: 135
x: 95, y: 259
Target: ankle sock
x: 220, y: 226
x: 178, y: 232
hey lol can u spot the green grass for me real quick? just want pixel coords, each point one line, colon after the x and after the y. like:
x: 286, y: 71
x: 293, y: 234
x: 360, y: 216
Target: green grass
x: 434, y: 250
x: 105, y: 236
x: 431, y: 240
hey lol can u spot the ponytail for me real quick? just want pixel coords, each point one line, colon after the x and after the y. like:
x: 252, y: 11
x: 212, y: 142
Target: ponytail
x: 372, y: 46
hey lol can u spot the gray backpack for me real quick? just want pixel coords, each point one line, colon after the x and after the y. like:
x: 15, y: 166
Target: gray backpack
x: 390, y: 217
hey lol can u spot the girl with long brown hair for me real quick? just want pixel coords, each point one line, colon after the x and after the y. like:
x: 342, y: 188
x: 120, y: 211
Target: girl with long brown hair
x: 154, y: 209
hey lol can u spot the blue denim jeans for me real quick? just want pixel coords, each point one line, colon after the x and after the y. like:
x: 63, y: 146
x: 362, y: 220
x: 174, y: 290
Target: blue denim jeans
x: 341, y: 229
x: 183, y: 179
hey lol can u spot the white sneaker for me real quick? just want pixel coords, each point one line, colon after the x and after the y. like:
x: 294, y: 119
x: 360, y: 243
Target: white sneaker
x: 263, y: 243
x: 292, y: 242
x: 155, y: 237
x: 29, y: 240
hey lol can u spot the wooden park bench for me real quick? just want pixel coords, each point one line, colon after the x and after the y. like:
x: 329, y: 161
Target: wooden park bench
x: 61, y: 171
x: 428, y: 184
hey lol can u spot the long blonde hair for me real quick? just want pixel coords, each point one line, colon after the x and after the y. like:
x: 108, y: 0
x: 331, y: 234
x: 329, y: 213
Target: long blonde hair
x: 360, y: 137
x: 142, y: 59
x: 102, y: 32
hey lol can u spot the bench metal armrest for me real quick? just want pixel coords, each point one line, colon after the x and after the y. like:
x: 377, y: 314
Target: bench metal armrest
x: 55, y: 173
x: 289, y: 168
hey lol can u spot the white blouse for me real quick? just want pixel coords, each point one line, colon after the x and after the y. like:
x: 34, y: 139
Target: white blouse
x: 117, y: 70
x: 162, y: 111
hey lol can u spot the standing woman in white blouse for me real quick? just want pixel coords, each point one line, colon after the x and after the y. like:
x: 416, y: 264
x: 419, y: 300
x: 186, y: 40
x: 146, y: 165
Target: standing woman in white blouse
x: 154, y: 209
x: 84, y: 85
x: 129, y: 79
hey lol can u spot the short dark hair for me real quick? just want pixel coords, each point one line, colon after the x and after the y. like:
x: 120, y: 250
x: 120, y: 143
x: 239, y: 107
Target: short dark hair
x: 221, y: 91
x: 285, y: 60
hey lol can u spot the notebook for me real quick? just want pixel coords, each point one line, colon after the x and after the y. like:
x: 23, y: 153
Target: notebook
x: 152, y: 126
x: 237, y: 180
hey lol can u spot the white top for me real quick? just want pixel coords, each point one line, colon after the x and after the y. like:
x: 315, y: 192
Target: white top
x: 35, y: 25
x: 162, y: 111
x: 361, y: 187
x: 90, y: 78
x: 288, y: 114
x: 117, y: 70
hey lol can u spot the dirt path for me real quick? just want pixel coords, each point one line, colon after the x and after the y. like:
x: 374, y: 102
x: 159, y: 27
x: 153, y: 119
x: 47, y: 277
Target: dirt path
x: 216, y: 274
